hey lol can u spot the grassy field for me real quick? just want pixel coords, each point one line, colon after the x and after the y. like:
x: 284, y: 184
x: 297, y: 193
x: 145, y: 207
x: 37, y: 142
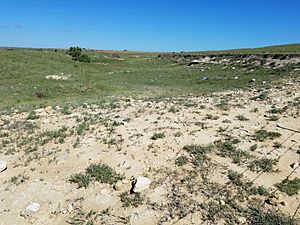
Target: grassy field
x: 23, y: 74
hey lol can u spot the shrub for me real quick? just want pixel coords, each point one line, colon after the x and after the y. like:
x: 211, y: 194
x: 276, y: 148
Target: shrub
x: 75, y: 52
x: 262, y: 135
x: 290, y: 187
x: 157, y: 136
x: 181, y: 160
x: 128, y: 199
x: 271, y: 217
x: 198, y: 152
x: 265, y: 165
x: 84, y: 58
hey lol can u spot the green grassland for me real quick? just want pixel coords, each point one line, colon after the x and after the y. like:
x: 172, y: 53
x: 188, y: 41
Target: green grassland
x: 133, y: 74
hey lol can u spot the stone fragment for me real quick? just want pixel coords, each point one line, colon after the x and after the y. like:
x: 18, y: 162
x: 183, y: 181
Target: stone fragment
x: 141, y: 184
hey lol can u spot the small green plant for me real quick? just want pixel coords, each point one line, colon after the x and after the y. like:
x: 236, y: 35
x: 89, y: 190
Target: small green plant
x: 81, y: 128
x: 259, y: 217
x: 290, y: 187
x: 66, y: 110
x: 17, y: 180
x: 198, y: 153
x: 253, y: 147
x: 262, y: 135
x: 274, y: 118
x: 81, y: 179
x: 96, y: 172
x: 128, y: 199
x: 181, y: 160
x: 235, y: 178
x: 84, y: 58
x: 173, y: 109
x: 211, y: 117
x: 265, y: 165
x: 242, y: 118
x: 32, y: 116
x: 277, y: 145
x: 156, y: 136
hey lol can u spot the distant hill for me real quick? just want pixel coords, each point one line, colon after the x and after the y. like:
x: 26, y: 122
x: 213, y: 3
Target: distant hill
x: 277, y: 49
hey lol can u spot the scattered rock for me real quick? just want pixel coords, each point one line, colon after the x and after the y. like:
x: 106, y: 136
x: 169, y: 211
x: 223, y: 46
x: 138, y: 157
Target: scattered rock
x: 141, y: 183
x: 222, y: 202
x: 3, y: 166
x: 242, y: 220
x: 33, y: 207
x: 272, y: 201
x: 59, y: 77
x: 4, y: 133
x: 283, y: 203
x: 294, y: 165
x: 253, y: 80
x: 48, y: 109
x: 46, y: 121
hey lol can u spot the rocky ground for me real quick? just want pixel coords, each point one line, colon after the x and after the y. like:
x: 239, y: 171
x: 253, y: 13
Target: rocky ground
x: 227, y: 158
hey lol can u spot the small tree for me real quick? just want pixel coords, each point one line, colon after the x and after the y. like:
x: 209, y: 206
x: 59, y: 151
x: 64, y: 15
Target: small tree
x: 75, y: 52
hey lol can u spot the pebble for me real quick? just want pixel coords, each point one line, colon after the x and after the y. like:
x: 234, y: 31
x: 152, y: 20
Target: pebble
x: 242, y: 220
x: 141, y: 184
x: 3, y: 166
x: 46, y: 121
x: 33, y: 207
x: 222, y: 202
x: 283, y: 203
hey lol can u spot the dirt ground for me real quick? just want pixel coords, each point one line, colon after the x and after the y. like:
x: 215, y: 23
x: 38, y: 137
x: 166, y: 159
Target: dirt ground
x: 153, y: 138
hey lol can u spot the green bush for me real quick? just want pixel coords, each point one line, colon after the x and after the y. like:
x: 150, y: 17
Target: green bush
x: 75, y: 52
x: 84, y: 58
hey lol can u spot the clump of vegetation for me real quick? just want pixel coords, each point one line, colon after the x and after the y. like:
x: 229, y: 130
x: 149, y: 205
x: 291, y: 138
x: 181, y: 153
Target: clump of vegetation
x: 96, y: 172
x: 181, y: 160
x: 271, y: 217
x: 66, y: 110
x: 81, y: 128
x: 128, y: 199
x: 228, y: 149
x: 235, y: 178
x: 274, y: 118
x: 265, y: 165
x: 77, y: 55
x: 262, y: 135
x: 211, y: 117
x: 20, y: 179
x: 198, y: 153
x: 32, y: 116
x: 290, y: 187
x: 277, y: 145
x: 242, y: 118
x: 156, y: 136
x: 253, y: 147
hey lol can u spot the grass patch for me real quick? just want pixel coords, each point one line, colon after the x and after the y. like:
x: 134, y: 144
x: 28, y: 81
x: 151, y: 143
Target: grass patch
x: 265, y: 165
x: 271, y: 217
x: 198, y: 153
x: 156, y: 136
x: 263, y: 135
x: 181, y: 160
x: 96, y: 172
x: 290, y: 187
x: 128, y: 199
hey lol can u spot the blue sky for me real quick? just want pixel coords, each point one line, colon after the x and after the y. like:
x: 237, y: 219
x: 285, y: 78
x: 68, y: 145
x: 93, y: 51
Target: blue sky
x: 149, y: 25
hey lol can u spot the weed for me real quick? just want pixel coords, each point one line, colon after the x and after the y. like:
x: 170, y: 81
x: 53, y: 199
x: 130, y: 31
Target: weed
x: 81, y: 179
x: 156, y: 136
x: 17, y: 180
x: 265, y: 165
x: 66, y: 110
x: 198, y: 153
x: 242, y: 118
x: 290, y: 187
x: 262, y: 135
x: 235, y: 178
x: 173, y: 109
x: 178, y: 134
x: 253, y: 147
x: 128, y: 199
x: 181, y: 160
x: 103, y: 173
x: 211, y: 117
x: 271, y: 217
x: 274, y: 118
x: 81, y: 128
x: 32, y: 116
